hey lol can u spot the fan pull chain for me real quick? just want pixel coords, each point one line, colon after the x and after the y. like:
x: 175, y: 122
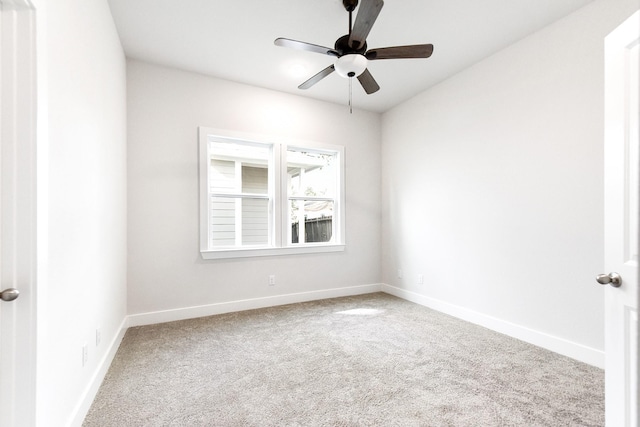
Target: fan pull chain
x: 350, y: 95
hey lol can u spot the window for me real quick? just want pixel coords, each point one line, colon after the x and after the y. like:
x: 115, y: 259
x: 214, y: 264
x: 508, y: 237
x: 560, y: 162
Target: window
x: 263, y: 197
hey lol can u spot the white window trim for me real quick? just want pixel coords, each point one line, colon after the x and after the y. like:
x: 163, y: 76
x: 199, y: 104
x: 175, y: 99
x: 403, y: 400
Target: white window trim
x: 279, y: 237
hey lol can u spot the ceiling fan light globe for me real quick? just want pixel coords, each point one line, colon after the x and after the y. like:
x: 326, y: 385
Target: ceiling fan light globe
x: 351, y: 65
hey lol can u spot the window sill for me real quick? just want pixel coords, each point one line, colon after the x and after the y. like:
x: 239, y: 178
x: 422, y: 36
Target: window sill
x: 260, y: 252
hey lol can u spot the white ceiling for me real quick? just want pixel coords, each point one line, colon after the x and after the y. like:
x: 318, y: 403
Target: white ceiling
x: 233, y: 39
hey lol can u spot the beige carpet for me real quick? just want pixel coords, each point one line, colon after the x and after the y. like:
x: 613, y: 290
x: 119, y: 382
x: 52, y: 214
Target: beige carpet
x: 372, y: 360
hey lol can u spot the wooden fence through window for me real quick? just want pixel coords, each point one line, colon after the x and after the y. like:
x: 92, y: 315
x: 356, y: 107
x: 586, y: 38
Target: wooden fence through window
x: 316, y: 230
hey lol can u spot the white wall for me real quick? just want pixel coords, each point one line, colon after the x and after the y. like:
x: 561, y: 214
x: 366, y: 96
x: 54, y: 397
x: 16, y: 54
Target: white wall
x: 82, y: 277
x: 165, y: 270
x: 493, y: 184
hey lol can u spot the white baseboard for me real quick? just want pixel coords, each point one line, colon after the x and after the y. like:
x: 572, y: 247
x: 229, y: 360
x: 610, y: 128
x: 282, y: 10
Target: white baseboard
x: 247, y: 304
x: 567, y: 348
x: 83, y: 406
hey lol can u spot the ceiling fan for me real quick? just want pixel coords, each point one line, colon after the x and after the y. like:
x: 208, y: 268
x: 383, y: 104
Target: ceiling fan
x: 351, y: 51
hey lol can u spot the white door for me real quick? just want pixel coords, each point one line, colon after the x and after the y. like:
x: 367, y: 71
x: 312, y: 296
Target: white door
x: 17, y: 214
x: 622, y: 49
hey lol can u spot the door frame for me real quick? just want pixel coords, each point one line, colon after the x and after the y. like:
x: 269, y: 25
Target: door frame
x: 18, y: 215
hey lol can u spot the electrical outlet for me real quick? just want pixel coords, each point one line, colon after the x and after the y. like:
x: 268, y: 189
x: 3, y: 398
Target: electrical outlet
x: 85, y: 354
x: 98, y: 336
x: 399, y: 274
x: 272, y: 279
x: 420, y: 279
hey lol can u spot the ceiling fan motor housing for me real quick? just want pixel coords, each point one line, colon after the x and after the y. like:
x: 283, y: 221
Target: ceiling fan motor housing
x: 342, y: 46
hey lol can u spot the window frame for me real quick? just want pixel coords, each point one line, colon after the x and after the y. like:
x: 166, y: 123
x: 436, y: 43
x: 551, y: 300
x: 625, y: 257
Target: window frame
x: 279, y: 235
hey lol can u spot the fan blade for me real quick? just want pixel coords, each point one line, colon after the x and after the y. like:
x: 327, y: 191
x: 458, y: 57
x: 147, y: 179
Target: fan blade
x: 368, y: 83
x: 295, y: 44
x: 315, y: 79
x: 399, y: 52
x: 367, y: 15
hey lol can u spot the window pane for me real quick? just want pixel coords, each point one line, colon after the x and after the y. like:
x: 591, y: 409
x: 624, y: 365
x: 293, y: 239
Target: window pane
x: 236, y: 221
x: 311, y: 173
x: 222, y: 222
x: 255, y: 221
x: 222, y: 176
x: 232, y: 163
x: 316, y: 218
x: 255, y: 180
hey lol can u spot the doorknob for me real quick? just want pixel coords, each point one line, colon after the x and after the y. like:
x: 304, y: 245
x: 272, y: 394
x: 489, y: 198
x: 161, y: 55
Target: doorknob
x: 612, y: 279
x: 9, y: 294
